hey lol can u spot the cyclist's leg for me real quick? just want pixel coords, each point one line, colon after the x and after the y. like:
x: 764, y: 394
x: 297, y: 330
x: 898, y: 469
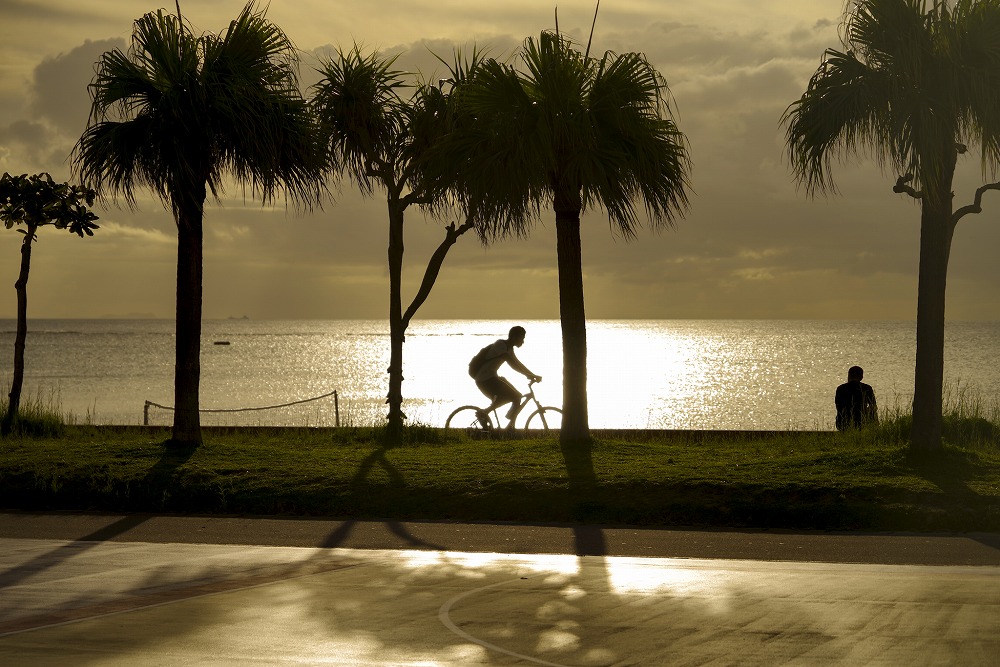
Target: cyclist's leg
x: 510, y: 394
x: 489, y: 389
x: 501, y: 392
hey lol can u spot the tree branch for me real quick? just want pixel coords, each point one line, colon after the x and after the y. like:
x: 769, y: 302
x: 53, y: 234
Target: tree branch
x: 434, y: 267
x: 415, y: 198
x: 976, y: 206
x: 901, y: 187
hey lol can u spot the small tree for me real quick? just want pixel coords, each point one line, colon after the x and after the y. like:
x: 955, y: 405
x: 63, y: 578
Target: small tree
x: 380, y: 139
x: 34, y: 201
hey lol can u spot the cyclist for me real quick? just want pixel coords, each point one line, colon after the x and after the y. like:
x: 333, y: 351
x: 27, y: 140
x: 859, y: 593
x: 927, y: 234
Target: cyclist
x: 487, y: 362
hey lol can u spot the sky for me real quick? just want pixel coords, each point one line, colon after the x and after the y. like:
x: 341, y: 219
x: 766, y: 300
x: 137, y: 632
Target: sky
x: 752, y: 245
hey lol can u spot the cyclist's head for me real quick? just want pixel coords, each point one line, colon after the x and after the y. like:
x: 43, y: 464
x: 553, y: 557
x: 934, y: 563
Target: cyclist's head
x: 516, y: 335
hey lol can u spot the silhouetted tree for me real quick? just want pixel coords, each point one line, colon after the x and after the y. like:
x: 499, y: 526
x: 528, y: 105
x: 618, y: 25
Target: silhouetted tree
x: 378, y: 138
x: 35, y: 201
x: 573, y: 132
x: 918, y: 81
x: 179, y: 112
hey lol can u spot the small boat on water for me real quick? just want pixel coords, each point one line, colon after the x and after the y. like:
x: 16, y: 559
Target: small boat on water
x: 221, y: 342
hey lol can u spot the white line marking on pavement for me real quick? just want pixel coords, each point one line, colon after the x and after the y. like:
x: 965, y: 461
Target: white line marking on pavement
x: 444, y: 615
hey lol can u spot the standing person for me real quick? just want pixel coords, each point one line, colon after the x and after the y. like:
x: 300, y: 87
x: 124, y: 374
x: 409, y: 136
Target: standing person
x: 484, y: 366
x: 855, y: 401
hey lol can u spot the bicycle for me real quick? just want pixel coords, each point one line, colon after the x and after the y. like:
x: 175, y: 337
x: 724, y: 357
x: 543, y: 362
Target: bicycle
x: 474, y: 418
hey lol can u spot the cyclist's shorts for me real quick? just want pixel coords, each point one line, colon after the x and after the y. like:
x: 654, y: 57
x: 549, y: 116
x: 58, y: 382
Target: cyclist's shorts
x: 497, y: 387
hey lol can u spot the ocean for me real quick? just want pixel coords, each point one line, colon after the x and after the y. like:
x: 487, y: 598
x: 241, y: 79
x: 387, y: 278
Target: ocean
x: 658, y: 374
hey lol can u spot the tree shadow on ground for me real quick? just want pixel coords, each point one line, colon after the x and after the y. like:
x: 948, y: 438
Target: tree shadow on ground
x: 360, y: 485
x: 155, y: 483
x: 954, y: 472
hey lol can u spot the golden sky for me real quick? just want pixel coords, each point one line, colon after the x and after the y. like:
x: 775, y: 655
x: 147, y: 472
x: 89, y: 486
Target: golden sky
x: 751, y: 245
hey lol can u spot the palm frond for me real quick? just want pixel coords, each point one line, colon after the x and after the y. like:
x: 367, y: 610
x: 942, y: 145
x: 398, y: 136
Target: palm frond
x: 250, y: 77
x: 503, y: 179
x: 361, y: 112
x: 916, y: 79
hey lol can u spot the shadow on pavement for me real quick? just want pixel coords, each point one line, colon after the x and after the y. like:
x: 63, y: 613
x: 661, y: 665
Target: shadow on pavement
x: 157, y: 478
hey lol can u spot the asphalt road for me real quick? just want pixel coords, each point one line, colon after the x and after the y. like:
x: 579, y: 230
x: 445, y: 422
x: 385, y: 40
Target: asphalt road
x: 979, y: 549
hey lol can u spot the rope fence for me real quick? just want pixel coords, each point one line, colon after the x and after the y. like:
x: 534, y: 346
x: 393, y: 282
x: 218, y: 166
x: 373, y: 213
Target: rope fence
x: 334, y: 394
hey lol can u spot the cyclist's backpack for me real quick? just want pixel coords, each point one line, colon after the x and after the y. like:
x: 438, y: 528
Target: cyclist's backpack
x: 477, y: 361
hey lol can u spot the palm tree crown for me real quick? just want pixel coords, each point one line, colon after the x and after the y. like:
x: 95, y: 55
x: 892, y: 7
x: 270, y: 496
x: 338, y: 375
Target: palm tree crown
x: 916, y: 77
x: 180, y: 108
x: 566, y: 122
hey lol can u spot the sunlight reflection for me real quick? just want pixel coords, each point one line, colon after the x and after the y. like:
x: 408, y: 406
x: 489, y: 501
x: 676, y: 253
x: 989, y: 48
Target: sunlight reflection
x: 478, y: 565
x: 629, y: 576
x: 559, y: 639
x: 671, y: 374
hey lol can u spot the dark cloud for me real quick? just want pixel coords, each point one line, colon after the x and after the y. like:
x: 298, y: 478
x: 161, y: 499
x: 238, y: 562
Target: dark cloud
x: 24, y: 132
x: 59, y: 86
x: 27, y: 146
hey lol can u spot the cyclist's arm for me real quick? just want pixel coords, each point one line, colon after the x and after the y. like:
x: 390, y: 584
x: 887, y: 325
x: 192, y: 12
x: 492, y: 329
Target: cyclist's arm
x: 516, y: 364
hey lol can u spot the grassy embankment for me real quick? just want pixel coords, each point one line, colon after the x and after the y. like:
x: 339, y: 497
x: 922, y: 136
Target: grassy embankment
x: 804, y: 480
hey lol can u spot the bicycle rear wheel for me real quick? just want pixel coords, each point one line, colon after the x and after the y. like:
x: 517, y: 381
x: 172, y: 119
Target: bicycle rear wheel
x: 545, y: 418
x: 469, y: 418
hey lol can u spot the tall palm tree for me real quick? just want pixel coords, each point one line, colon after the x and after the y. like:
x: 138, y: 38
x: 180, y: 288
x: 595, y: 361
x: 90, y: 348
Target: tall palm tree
x: 379, y: 139
x: 574, y: 132
x: 917, y: 83
x: 179, y: 113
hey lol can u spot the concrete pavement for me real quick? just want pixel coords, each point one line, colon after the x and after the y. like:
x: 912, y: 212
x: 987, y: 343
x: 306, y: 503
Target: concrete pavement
x: 97, y: 590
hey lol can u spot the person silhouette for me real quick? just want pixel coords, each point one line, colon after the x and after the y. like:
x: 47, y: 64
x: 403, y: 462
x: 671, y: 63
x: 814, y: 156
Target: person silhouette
x: 855, y: 401
x: 499, y: 390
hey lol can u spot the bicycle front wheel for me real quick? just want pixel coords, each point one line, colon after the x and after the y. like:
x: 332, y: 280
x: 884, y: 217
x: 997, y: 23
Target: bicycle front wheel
x: 469, y: 418
x: 545, y: 418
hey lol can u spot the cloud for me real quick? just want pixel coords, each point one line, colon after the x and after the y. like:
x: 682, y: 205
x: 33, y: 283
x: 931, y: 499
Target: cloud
x: 30, y: 147
x: 56, y: 113
x: 24, y: 132
x: 133, y: 234
x: 751, y: 245
x: 59, y: 85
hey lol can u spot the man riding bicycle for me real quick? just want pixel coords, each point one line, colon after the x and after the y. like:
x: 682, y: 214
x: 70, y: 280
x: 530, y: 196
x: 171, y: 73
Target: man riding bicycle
x: 487, y: 362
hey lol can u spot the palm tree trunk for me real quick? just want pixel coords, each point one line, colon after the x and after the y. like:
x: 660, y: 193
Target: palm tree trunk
x: 936, y: 231
x: 20, y: 338
x: 187, y: 369
x: 397, y: 327
x: 573, y: 319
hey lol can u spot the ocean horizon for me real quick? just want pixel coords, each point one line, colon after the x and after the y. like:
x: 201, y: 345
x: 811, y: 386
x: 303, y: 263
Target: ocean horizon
x: 658, y: 374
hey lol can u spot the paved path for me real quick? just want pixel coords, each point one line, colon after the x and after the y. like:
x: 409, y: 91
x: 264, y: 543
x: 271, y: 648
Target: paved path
x: 107, y: 590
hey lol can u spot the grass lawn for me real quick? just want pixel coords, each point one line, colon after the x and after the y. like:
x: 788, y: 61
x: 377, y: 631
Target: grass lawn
x: 797, y: 480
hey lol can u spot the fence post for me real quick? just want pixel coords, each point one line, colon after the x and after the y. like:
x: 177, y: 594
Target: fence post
x: 145, y: 414
x: 336, y: 408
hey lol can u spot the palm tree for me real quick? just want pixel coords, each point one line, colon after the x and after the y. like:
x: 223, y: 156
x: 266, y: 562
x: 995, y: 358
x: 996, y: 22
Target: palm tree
x: 573, y: 132
x: 36, y: 201
x: 379, y: 139
x: 917, y: 82
x: 177, y: 114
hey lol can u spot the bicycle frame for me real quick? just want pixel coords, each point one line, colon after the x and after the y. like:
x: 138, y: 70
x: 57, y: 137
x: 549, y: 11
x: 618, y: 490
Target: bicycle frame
x: 524, y: 405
